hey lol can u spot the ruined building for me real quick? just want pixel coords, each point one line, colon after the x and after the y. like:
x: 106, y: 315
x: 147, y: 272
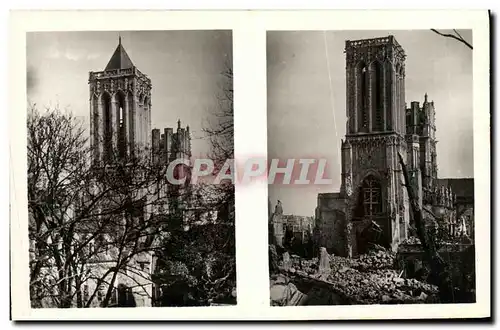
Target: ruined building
x: 372, y: 205
x: 276, y: 225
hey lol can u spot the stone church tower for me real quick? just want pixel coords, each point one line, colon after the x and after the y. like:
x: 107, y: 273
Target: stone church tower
x: 120, y: 109
x: 120, y: 126
x: 372, y: 205
x: 421, y: 122
x: 376, y: 131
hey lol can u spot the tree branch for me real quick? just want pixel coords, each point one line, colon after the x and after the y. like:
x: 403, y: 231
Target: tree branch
x: 456, y: 37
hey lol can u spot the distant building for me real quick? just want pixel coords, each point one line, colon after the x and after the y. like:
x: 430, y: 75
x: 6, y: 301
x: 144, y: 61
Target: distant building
x: 463, y: 222
x: 301, y: 226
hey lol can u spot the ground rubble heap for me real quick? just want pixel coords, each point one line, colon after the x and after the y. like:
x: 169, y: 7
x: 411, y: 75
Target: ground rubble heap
x: 370, y: 279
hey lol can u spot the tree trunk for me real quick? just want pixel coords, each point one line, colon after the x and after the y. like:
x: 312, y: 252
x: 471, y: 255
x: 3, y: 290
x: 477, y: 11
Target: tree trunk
x: 78, y: 288
x: 105, y: 302
x: 440, y: 275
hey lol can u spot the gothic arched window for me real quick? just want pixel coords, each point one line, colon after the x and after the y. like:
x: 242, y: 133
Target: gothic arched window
x: 108, y: 131
x: 371, y: 197
x: 131, y: 122
x: 146, y: 119
x: 388, y: 95
x: 397, y: 103
x: 377, y: 103
x: 362, y: 92
x: 122, y: 125
x: 142, y: 120
x: 409, y: 128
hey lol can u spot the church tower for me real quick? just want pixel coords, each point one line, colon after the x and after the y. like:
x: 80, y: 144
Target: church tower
x: 421, y: 126
x: 120, y: 109
x: 375, y: 134
x: 120, y: 126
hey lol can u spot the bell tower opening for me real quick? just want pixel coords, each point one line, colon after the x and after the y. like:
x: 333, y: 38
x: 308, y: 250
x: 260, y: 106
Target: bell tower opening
x: 108, y: 124
x: 375, y: 86
x: 378, y: 106
x: 122, y: 125
x: 362, y: 90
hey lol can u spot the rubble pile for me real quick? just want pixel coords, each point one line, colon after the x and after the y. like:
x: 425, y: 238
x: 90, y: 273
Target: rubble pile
x: 378, y: 286
x: 369, y: 279
x: 374, y: 260
x: 412, y: 240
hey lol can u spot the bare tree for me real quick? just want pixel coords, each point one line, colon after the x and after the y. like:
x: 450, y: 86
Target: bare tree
x: 220, y: 128
x: 92, y: 222
x: 56, y: 153
x: 83, y: 214
x: 197, y: 265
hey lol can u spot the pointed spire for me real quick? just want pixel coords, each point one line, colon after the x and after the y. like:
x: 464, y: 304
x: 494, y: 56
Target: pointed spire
x: 178, y: 124
x: 120, y: 58
x: 425, y: 98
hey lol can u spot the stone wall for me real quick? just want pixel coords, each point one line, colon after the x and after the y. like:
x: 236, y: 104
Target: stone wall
x: 330, y: 223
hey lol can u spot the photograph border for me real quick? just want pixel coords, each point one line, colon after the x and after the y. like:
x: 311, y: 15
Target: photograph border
x: 249, y: 65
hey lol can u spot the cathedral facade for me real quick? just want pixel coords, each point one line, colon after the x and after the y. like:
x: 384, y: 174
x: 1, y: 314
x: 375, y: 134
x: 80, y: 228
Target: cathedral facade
x: 372, y: 205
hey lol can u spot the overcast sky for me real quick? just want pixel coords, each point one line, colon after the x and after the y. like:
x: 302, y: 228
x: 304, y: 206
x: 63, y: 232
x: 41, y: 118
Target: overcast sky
x: 184, y: 67
x: 302, y: 121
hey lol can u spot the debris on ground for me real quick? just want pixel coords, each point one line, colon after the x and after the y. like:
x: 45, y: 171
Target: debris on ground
x: 370, y: 279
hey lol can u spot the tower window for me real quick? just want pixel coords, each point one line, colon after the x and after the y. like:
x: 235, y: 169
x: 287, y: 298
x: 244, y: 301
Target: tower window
x: 364, y: 95
x: 388, y: 95
x: 378, y: 97
x: 362, y: 91
x: 372, y: 201
x: 122, y: 127
x: 106, y: 106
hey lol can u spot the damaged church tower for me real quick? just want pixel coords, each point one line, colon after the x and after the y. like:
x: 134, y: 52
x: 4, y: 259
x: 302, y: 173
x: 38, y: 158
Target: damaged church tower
x: 372, y: 205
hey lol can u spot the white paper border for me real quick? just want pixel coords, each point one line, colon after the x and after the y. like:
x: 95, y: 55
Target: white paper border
x: 249, y: 51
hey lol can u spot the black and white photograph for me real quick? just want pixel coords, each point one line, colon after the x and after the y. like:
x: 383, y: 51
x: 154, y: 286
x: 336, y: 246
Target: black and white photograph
x: 223, y: 165
x: 116, y: 122
x: 392, y: 219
